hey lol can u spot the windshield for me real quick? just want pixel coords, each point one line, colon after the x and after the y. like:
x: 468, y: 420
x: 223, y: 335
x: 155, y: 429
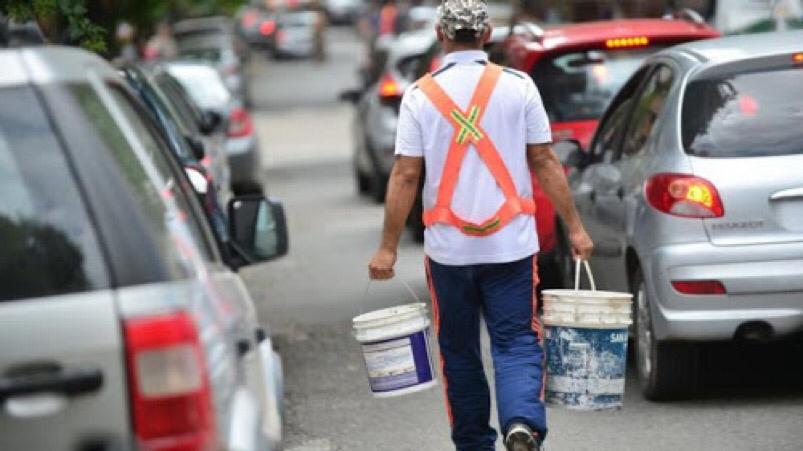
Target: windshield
x: 744, y: 114
x: 578, y: 86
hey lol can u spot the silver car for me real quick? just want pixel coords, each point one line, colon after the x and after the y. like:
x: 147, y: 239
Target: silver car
x: 206, y: 88
x: 693, y: 195
x: 122, y: 329
x: 377, y: 108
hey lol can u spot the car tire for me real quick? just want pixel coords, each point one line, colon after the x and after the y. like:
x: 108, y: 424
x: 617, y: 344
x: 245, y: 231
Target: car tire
x: 247, y: 188
x: 666, y: 370
x: 362, y: 181
x: 564, y: 261
x: 379, y: 186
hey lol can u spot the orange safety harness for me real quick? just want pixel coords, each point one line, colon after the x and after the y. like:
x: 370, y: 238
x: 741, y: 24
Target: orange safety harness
x: 467, y: 131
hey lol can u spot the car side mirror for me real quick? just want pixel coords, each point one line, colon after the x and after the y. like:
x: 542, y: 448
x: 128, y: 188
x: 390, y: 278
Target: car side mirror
x: 197, y: 146
x: 211, y: 122
x: 258, y: 228
x: 572, y: 155
x: 351, y: 95
x: 565, y: 148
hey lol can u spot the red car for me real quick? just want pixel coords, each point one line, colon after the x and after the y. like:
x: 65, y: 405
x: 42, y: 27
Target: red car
x: 578, y: 68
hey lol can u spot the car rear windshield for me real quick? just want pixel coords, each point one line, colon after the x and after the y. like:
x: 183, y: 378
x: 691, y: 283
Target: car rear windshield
x: 748, y: 114
x: 47, y: 243
x: 577, y: 86
x: 202, y: 54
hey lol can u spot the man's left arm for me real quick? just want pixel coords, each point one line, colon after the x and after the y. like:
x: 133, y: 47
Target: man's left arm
x: 549, y: 171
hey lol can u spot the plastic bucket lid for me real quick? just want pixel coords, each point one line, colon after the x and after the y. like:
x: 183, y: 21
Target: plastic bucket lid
x: 390, y: 316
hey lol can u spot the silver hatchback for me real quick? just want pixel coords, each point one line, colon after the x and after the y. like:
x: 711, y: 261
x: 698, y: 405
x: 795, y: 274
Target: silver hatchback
x: 693, y: 194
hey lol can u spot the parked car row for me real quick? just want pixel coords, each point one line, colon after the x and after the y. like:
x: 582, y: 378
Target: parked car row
x: 126, y: 326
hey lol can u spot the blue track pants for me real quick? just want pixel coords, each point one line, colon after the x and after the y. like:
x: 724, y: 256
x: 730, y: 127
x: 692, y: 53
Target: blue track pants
x: 504, y: 293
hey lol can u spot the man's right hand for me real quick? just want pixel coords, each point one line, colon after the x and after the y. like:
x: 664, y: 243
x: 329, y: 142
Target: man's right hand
x: 582, y: 246
x: 381, y: 266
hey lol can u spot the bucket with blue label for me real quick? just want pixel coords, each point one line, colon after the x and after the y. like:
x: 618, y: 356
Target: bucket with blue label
x: 395, y: 345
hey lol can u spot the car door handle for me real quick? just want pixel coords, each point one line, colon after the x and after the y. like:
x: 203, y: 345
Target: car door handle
x: 794, y: 193
x: 69, y: 382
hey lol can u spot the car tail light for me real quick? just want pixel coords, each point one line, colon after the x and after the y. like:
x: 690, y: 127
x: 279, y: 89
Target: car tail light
x: 240, y: 123
x: 699, y: 286
x: 169, y: 388
x: 249, y: 19
x: 684, y: 195
x: 388, y: 87
x: 798, y: 58
x: 267, y: 27
x: 623, y: 43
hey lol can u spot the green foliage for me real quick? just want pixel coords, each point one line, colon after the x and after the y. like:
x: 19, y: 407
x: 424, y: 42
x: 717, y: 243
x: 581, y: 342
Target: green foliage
x: 67, y: 18
x: 88, y: 22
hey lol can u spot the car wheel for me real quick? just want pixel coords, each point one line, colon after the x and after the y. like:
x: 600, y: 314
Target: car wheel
x: 247, y: 188
x: 363, y: 182
x: 666, y: 370
x: 379, y: 186
x: 564, y: 261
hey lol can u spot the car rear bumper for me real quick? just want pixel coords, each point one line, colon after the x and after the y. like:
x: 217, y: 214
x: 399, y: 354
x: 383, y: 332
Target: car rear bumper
x: 764, y: 285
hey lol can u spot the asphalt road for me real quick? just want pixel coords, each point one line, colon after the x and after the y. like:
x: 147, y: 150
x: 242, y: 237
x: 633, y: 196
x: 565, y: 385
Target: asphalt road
x: 752, y: 397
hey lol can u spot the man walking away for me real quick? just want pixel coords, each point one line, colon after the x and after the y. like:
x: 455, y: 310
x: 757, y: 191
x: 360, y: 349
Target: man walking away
x: 479, y: 128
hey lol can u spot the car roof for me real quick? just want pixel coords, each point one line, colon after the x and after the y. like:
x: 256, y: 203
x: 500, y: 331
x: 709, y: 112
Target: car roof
x: 210, y: 24
x: 51, y: 64
x: 588, y: 33
x: 742, y: 47
x: 410, y: 43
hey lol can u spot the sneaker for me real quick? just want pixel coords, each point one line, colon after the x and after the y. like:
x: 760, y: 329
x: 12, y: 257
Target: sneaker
x: 521, y: 438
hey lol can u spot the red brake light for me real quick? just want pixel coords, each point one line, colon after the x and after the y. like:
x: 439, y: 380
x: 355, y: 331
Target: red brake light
x: 684, y: 195
x: 240, y: 123
x: 169, y: 388
x: 267, y: 27
x: 249, y: 19
x: 622, y: 43
x: 388, y: 87
x: 699, y: 286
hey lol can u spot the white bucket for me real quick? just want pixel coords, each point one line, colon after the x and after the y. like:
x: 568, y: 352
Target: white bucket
x: 586, y: 345
x: 395, y: 347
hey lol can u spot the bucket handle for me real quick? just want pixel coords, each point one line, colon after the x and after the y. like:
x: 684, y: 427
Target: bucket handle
x: 577, y: 268
x: 404, y: 282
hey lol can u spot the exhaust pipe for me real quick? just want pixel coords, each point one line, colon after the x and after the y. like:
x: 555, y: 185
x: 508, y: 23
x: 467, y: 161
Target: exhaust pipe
x: 754, y: 331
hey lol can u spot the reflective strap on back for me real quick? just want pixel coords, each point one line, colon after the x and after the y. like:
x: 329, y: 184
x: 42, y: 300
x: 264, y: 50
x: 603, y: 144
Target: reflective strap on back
x: 467, y: 130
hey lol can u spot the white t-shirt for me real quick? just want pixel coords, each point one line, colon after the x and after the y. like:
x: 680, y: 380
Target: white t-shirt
x: 514, y: 117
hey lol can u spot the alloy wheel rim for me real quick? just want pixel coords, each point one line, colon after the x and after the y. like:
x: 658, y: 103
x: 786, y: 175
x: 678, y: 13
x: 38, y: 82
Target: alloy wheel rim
x: 644, y: 333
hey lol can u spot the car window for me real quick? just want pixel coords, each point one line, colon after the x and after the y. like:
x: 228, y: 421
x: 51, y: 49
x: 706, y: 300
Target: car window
x: 578, y: 86
x: 176, y: 186
x: 744, y: 114
x: 647, y: 109
x: 606, y: 143
x: 165, y: 223
x: 187, y: 114
x: 47, y: 242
